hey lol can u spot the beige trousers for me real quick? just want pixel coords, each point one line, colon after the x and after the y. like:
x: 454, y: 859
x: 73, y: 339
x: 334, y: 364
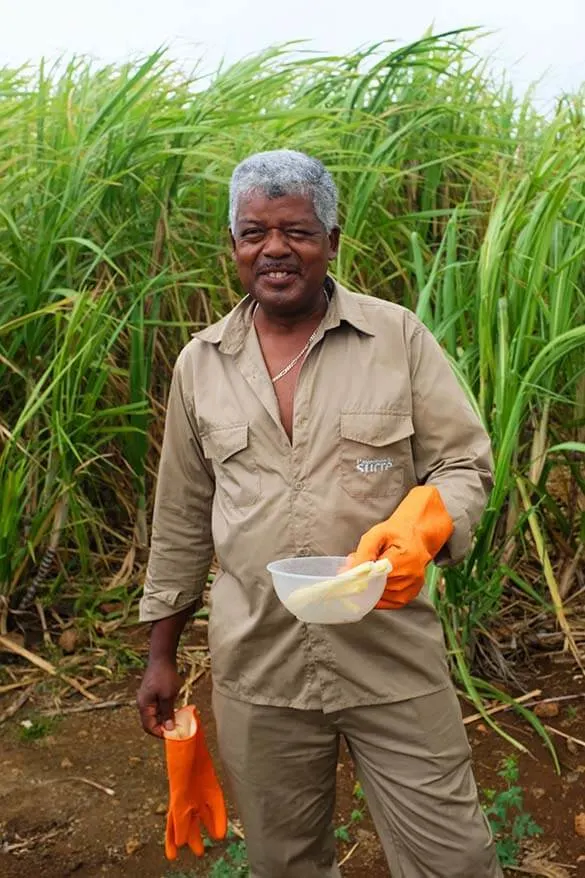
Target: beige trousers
x: 412, y: 759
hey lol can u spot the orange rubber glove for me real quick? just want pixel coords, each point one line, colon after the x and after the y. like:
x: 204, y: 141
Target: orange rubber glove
x: 409, y: 539
x: 195, y: 795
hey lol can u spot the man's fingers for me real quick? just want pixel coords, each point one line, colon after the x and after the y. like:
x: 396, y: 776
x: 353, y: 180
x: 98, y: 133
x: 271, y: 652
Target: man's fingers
x: 399, y: 591
x: 149, y: 719
x: 166, y: 713
x: 156, y: 697
x: 373, y: 543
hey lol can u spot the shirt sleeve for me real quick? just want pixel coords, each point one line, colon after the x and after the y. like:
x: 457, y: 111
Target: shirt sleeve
x: 452, y: 450
x: 181, y: 548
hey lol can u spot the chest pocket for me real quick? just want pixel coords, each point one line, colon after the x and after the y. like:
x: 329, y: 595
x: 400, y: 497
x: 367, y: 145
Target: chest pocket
x: 237, y: 477
x: 375, y: 453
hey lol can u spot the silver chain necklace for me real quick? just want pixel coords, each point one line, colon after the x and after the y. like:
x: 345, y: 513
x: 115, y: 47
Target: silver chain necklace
x: 302, y: 353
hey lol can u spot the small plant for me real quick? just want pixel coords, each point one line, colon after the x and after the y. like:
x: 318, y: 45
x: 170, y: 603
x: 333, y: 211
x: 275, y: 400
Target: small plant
x: 343, y: 832
x: 572, y: 712
x: 234, y: 863
x: 510, y: 823
x: 33, y: 729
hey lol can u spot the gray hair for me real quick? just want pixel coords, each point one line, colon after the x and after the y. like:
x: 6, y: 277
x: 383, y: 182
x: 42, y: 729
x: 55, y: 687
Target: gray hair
x: 285, y: 172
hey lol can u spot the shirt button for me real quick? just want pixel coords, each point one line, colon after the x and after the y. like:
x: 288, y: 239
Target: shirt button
x: 299, y: 486
x: 304, y: 552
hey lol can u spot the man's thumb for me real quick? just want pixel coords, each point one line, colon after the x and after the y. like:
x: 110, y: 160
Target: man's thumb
x: 167, y: 713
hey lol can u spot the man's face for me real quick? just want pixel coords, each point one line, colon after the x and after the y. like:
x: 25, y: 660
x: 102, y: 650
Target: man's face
x: 281, y: 250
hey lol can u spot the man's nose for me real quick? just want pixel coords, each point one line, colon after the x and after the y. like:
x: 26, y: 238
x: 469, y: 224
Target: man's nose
x: 276, y: 244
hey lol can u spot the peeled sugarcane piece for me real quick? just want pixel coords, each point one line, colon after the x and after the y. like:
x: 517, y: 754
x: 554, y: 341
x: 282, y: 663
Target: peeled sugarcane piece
x: 341, y: 587
x: 350, y: 605
x: 331, y: 589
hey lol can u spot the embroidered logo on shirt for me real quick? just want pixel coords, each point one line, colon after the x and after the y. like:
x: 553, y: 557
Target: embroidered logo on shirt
x: 374, y: 465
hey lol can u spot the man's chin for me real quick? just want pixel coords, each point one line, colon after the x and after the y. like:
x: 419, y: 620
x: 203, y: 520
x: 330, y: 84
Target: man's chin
x: 277, y: 293
x: 282, y: 297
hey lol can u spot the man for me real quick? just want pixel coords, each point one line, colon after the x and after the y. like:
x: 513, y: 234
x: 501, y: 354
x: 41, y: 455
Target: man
x: 311, y: 421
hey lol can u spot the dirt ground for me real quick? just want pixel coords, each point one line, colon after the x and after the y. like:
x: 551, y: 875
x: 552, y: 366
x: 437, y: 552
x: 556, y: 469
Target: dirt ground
x: 55, y: 823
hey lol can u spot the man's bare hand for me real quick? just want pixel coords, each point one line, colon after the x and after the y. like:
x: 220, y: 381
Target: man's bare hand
x: 156, y: 697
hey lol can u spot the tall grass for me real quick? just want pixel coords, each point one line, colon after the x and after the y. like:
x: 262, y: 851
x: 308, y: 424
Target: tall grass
x: 457, y: 200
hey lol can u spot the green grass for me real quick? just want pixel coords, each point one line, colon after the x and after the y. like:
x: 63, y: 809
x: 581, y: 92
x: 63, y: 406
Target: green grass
x: 511, y: 825
x: 457, y: 199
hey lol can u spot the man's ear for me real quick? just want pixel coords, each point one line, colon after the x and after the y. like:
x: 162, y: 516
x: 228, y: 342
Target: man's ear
x: 334, y: 241
x: 233, y: 244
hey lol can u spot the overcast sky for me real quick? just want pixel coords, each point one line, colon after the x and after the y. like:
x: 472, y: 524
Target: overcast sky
x: 534, y: 37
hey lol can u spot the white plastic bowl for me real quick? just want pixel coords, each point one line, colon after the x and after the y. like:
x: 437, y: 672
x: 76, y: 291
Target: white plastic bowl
x: 291, y: 574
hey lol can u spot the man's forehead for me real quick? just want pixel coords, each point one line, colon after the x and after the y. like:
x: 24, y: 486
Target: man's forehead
x: 259, y: 205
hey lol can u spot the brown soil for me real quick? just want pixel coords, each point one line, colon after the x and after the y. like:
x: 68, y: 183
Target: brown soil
x: 54, y: 825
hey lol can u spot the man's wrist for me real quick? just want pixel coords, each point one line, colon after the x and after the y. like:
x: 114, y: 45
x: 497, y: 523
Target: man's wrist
x: 163, y: 656
x: 166, y: 633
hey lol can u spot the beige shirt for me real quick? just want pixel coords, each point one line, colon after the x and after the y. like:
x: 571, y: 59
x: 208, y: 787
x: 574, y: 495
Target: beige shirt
x: 375, y: 386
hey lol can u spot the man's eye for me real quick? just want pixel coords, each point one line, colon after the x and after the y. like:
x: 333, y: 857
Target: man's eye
x: 252, y: 233
x: 299, y: 233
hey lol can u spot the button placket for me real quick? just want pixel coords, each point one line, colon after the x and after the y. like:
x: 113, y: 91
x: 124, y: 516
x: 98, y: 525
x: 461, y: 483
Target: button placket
x: 311, y: 674
x: 328, y: 678
x: 323, y: 666
x: 302, y: 533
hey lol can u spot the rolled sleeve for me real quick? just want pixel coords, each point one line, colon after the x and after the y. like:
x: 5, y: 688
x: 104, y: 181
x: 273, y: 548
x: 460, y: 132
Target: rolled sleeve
x: 451, y: 448
x: 181, y: 548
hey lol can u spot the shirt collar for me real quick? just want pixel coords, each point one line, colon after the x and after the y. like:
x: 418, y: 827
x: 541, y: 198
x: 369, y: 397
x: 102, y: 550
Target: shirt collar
x: 345, y: 307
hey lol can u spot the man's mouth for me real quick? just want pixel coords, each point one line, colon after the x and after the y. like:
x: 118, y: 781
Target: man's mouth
x: 278, y: 278
x: 277, y: 272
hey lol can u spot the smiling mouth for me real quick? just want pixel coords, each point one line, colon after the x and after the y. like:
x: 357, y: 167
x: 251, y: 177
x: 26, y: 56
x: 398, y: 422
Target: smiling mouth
x: 277, y: 275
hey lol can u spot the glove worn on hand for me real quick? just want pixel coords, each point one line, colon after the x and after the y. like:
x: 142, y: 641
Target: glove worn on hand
x: 195, y: 795
x: 409, y: 539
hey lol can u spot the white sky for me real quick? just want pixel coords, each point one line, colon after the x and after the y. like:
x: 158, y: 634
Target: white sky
x: 533, y: 38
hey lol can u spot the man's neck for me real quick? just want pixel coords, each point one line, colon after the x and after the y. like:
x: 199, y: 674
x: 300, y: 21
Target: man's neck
x: 278, y: 325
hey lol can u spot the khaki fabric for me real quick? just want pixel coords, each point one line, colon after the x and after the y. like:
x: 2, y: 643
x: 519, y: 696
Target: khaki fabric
x: 377, y: 411
x: 412, y: 759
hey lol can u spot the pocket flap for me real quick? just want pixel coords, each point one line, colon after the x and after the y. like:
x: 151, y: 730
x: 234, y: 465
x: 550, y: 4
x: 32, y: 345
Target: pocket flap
x: 221, y: 442
x: 375, y: 428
